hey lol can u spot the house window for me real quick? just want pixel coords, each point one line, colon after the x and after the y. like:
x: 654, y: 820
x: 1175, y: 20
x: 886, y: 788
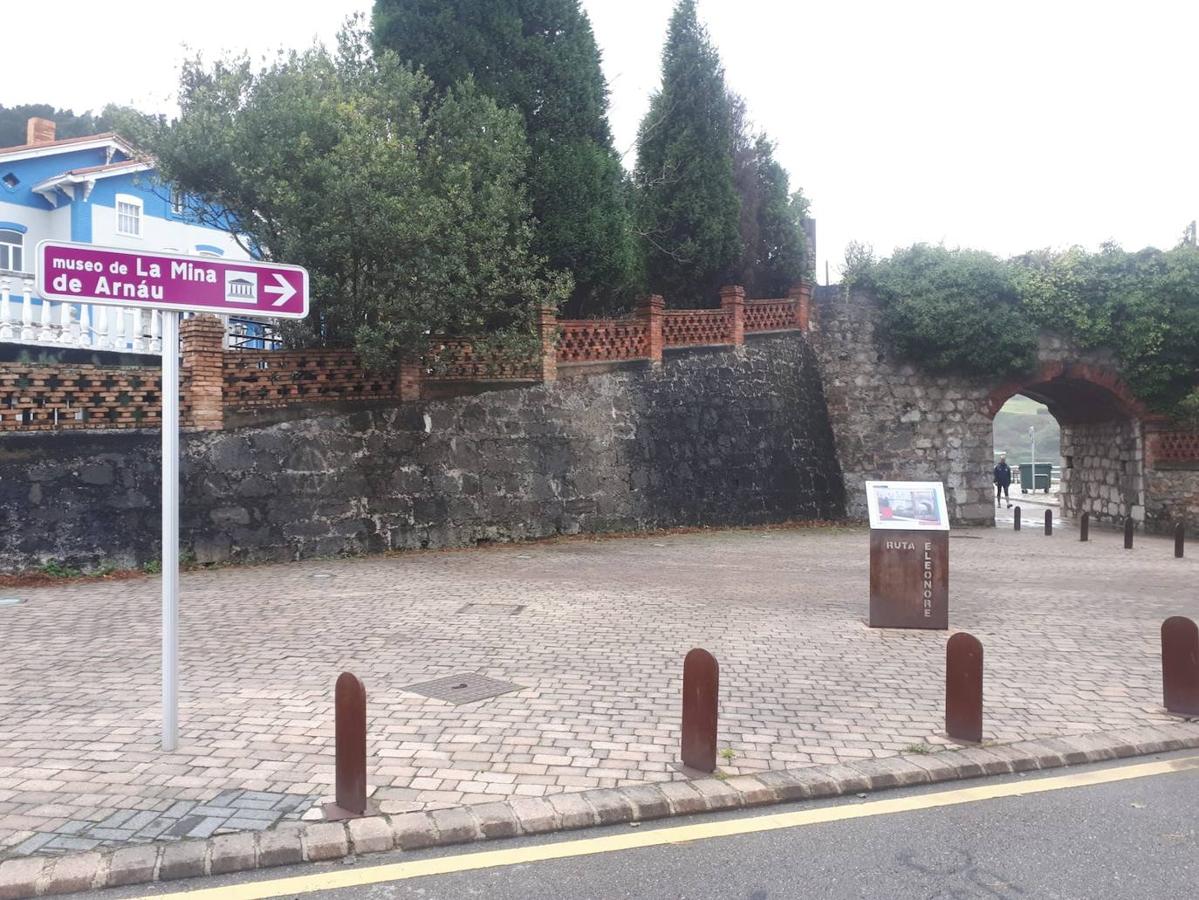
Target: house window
x: 12, y: 250
x: 129, y: 215
x: 178, y: 202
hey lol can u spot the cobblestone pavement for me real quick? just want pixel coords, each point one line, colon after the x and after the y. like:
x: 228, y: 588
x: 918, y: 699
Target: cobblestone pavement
x: 592, y: 635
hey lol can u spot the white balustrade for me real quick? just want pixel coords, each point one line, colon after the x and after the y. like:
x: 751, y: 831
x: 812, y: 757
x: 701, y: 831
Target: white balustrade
x: 86, y: 334
x: 26, y: 319
x: 6, y: 329
x: 27, y: 314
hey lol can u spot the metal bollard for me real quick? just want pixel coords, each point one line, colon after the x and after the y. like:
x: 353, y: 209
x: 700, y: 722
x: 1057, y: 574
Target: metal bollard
x: 964, y: 688
x: 349, y: 712
x: 1128, y: 527
x: 701, y: 690
x: 1180, y: 666
x: 1084, y: 527
x: 1049, y: 521
x: 1016, y: 519
x: 1180, y: 534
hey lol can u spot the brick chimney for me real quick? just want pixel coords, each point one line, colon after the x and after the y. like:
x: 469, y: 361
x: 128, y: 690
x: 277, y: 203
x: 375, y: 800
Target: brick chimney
x: 39, y: 131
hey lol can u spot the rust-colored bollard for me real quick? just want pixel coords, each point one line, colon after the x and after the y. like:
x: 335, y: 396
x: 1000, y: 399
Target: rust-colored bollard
x: 349, y: 713
x: 1180, y: 536
x: 1084, y: 527
x: 1049, y: 521
x: 964, y: 688
x: 1180, y: 666
x: 1016, y: 519
x: 701, y: 689
x: 1128, y: 527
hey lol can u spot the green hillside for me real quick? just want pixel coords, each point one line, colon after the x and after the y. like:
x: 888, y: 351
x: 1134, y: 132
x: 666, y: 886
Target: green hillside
x: 1010, y: 431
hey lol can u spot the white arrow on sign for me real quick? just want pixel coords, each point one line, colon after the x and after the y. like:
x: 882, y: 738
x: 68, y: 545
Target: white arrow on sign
x: 284, y: 290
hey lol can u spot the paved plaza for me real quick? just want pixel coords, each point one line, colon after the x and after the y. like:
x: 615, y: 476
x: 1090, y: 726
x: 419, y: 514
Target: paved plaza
x: 583, y: 642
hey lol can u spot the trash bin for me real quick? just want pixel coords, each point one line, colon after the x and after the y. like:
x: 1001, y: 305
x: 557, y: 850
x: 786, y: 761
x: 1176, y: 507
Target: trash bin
x: 1043, y: 475
x: 1025, y: 477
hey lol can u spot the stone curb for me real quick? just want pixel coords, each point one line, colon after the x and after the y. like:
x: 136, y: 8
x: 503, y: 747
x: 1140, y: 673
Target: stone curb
x: 321, y: 841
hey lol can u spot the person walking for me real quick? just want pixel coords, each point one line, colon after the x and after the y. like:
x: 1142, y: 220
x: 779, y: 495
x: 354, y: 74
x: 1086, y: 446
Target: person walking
x: 1003, y: 480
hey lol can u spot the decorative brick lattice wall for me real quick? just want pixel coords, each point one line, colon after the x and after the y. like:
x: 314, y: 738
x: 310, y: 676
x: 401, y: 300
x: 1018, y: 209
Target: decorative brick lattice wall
x: 458, y: 359
x: 770, y: 315
x: 53, y: 398
x: 216, y: 382
x: 602, y: 340
x: 273, y: 378
x: 1174, y: 447
x: 681, y: 327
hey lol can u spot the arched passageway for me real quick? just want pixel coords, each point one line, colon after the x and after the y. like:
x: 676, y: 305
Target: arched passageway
x: 1102, y: 441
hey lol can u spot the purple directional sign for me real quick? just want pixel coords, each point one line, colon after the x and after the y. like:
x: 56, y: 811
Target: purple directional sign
x: 110, y: 276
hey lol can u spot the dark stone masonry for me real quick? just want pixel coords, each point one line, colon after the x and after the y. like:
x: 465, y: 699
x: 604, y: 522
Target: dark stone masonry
x: 713, y: 437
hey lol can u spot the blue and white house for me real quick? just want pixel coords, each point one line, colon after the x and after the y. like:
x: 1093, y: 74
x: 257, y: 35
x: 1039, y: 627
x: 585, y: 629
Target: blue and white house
x: 96, y: 190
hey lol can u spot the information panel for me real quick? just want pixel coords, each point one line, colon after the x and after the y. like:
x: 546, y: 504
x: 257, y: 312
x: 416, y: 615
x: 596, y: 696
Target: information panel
x: 914, y: 505
x: 909, y: 554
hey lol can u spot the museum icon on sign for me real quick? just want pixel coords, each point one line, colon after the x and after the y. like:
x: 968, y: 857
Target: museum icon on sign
x: 241, y: 287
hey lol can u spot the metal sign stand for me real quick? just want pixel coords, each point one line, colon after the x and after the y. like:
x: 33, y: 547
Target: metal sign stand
x: 171, y: 283
x: 170, y: 529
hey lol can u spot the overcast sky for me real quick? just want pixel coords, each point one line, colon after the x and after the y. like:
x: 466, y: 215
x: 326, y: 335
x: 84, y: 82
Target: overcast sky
x: 1005, y: 126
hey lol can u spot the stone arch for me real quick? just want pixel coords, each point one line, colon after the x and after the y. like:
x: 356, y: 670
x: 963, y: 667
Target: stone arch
x: 892, y: 420
x: 1101, y: 421
x: 1075, y: 392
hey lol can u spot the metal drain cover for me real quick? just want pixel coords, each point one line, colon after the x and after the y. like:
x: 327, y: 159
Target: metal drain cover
x: 459, y: 689
x: 491, y: 609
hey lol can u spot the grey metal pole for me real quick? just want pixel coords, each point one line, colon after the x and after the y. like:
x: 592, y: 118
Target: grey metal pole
x: 170, y: 530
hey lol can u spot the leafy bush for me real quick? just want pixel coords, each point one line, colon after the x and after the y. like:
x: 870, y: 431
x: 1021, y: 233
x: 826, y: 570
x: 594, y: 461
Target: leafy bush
x: 970, y: 312
x: 952, y: 310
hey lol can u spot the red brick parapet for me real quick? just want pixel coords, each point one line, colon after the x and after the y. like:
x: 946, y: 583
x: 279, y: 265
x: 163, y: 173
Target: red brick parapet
x: 547, y: 330
x: 802, y: 295
x: 201, y: 370
x: 650, y: 309
x: 732, y: 301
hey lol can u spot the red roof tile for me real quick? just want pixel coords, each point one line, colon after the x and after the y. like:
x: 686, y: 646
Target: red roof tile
x: 106, y: 136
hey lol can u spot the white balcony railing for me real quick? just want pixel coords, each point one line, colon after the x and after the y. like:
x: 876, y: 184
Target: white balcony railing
x: 28, y: 319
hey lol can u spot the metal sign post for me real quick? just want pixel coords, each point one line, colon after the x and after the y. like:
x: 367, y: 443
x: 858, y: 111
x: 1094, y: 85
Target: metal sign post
x: 170, y: 529
x: 171, y: 283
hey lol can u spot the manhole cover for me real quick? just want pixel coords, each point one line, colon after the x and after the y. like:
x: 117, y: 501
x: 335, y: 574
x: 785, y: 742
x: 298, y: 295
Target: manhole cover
x: 491, y: 609
x: 459, y: 689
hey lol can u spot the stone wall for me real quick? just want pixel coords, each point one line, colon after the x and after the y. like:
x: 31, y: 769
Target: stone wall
x: 1172, y: 496
x: 1103, y: 470
x: 723, y: 437
x: 894, y: 421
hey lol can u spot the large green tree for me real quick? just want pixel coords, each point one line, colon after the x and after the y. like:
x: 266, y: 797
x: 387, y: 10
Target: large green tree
x: 540, y: 57
x: 68, y: 124
x: 689, y: 211
x: 407, y: 206
x: 773, y: 238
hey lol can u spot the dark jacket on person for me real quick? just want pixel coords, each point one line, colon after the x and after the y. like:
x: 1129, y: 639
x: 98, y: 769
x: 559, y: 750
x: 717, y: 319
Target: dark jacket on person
x: 1003, y: 475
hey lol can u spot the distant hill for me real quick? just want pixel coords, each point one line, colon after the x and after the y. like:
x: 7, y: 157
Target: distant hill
x: 1010, y: 431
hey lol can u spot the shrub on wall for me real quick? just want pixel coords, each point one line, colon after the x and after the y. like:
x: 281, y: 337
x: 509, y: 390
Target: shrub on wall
x: 952, y: 310
x: 970, y: 312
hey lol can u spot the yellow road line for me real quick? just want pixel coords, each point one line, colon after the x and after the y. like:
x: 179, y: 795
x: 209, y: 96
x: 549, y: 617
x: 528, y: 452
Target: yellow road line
x: 631, y: 840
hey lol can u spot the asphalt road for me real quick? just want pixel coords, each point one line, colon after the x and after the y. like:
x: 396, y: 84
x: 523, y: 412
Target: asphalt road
x: 1131, y: 838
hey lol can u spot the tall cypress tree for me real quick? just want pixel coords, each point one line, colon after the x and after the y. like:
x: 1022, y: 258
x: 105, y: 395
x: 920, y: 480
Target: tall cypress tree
x: 541, y: 57
x: 689, y: 208
x: 774, y: 239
